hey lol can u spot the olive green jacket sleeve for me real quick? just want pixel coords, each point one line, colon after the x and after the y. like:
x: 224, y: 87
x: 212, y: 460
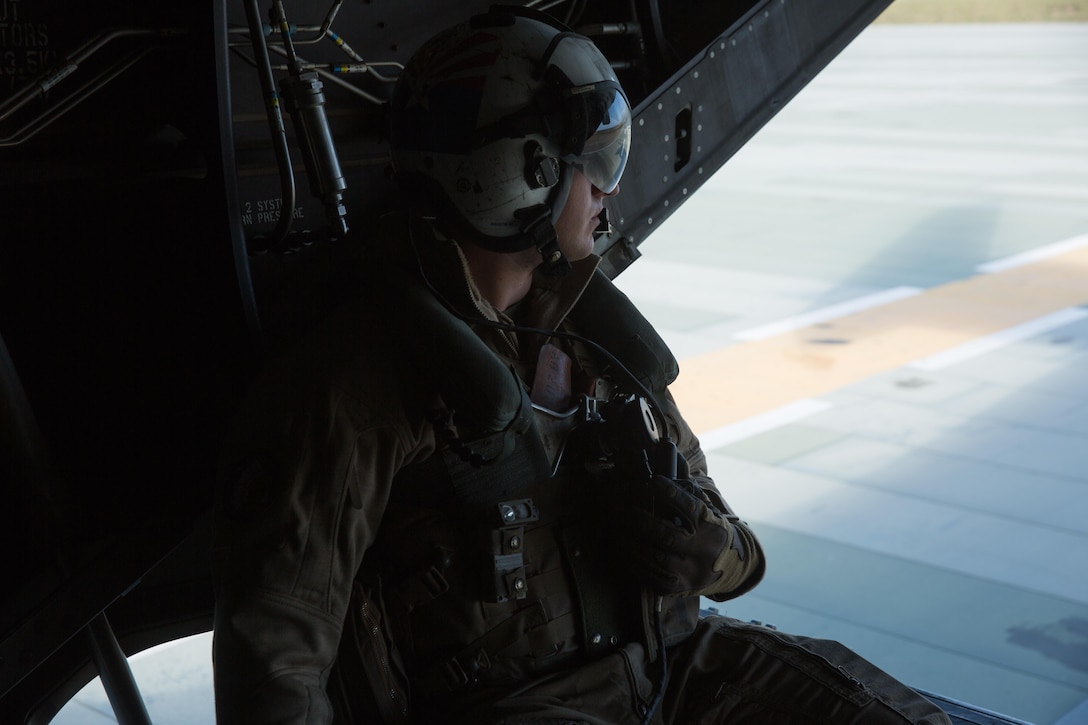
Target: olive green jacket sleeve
x: 306, y: 476
x: 741, y: 561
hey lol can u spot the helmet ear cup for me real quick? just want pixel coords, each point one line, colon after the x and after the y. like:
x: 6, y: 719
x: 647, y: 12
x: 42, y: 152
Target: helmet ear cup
x: 541, y: 170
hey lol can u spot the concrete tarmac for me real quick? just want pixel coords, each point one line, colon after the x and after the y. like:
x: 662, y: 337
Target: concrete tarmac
x: 879, y: 306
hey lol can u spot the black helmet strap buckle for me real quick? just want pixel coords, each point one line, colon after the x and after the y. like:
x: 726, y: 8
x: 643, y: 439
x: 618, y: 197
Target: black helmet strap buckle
x: 537, y: 226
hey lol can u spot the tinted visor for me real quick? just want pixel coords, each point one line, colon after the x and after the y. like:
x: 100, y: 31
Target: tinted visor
x: 606, y: 116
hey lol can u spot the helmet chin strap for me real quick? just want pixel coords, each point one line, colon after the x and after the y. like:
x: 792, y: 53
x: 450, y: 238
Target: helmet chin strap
x: 554, y: 263
x: 537, y: 227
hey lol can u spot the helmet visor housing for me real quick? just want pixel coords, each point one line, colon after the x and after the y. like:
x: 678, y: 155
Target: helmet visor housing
x: 603, y: 154
x: 598, y: 116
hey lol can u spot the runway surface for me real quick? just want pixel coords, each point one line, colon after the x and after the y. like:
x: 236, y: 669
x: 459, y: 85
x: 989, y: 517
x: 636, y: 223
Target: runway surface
x: 879, y: 306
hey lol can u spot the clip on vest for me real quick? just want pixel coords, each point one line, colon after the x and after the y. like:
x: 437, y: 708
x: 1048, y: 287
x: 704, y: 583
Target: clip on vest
x: 508, y: 577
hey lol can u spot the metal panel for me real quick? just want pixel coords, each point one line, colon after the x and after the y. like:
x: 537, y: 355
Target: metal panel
x: 694, y: 123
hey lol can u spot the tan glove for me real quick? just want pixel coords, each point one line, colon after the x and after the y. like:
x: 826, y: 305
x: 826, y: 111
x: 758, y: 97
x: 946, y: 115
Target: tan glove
x: 676, y: 541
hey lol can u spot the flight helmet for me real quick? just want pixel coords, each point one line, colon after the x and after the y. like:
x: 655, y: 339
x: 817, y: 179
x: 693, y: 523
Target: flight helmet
x: 489, y: 118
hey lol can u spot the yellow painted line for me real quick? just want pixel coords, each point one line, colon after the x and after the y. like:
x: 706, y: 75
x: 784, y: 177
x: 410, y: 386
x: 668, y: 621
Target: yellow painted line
x: 741, y: 381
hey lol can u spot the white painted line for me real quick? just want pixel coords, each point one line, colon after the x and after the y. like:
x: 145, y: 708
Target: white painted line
x: 988, y: 343
x: 1066, y: 142
x: 899, y: 525
x: 1047, y: 191
x: 790, y: 413
x: 1033, y: 255
x: 827, y: 313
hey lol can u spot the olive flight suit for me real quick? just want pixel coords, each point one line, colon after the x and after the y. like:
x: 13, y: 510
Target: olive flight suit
x: 399, y: 525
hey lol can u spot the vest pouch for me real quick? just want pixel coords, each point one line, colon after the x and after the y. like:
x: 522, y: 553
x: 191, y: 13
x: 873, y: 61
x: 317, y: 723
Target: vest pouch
x: 610, y: 603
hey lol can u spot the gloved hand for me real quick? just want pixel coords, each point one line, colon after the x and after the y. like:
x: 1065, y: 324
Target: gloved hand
x: 675, y: 540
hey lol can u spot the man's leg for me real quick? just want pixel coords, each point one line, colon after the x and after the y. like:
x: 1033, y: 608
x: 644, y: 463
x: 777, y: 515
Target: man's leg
x: 730, y: 671
x: 612, y: 690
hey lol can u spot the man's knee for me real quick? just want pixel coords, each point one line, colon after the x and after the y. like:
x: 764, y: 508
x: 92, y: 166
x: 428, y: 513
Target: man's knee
x: 755, y: 670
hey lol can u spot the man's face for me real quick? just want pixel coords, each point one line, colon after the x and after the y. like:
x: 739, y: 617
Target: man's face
x: 580, y: 217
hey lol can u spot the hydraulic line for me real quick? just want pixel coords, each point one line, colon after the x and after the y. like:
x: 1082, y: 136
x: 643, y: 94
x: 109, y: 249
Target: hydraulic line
x: 275, y: 123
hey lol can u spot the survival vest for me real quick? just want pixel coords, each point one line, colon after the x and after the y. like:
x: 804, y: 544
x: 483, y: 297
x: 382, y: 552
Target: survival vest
x: 495, y: 574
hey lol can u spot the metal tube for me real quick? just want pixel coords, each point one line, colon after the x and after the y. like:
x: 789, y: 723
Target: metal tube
x: 50, y: 115
x: 115, y: 673
x: 275, y: 122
